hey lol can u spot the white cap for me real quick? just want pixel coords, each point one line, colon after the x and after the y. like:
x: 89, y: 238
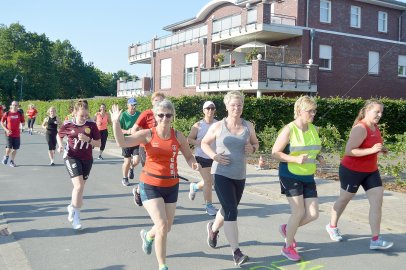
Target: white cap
x: 208, y: 104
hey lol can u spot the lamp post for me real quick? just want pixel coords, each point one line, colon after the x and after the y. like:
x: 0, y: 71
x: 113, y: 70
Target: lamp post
x: 21, y: 85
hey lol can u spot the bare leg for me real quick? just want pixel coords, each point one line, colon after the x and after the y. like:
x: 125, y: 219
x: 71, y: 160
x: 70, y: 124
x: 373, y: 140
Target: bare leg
x: 298, y: 213
x: 218, y: 222
x: 126, y: 166
x: 375, y: 198
x: 311, y: 211
x: 340, y: 205
x: 77, y: 192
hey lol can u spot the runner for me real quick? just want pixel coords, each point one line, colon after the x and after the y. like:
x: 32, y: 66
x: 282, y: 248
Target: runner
x: 297, y: 147
x: 11, y: 122
x: 102, y: 120
x: 20, y: 110
x: 159, y: 182
x: 50, y: 124
x: 196, y: 135
x: 82, y: 135
x: 234, y: 137
x: 1, y: 111
x: 31, y: 115
x: 359, y: 167
x: 130, y: 154
x: 145, y: 121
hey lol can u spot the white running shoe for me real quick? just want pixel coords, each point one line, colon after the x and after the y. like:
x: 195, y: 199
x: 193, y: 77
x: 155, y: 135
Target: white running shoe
x: 334, y: 233
x: 192, y: 192
x: 71, y: 212
x: 76, y: 221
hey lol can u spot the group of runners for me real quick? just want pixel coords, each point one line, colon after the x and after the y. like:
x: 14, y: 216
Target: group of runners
x: 221, y: 149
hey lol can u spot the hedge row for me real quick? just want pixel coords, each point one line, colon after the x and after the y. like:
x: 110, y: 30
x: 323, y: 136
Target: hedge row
x: 264, y: 112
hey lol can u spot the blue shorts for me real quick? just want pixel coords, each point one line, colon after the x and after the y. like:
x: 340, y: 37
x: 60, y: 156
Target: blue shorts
x: 169, y: 194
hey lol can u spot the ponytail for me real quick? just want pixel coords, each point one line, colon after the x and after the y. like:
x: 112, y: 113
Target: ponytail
x: 368, y: 104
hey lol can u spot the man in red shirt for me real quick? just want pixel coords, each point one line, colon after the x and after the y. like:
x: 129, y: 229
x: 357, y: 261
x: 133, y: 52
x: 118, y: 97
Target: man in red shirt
x: 10, y: 121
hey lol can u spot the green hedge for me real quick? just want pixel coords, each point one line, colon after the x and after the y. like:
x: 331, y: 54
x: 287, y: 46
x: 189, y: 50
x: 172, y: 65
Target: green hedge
x: 264, y: 112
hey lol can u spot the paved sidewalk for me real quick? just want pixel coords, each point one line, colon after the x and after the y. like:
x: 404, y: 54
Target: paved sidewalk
x: 266, y: 183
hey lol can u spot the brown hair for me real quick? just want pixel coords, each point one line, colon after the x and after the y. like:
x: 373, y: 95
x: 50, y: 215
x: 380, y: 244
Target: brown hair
x: 157, y: 94
x: 81, y: 105
x: 368, y: 104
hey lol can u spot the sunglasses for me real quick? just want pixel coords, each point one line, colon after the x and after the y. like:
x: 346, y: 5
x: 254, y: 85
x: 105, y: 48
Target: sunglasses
x: 167, y: 115
x: 211, y: 108
x: 133, y: 105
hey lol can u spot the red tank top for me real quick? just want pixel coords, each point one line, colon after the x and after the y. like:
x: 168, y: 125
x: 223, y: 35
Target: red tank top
x: 367, y: 163
x: 161, y: 168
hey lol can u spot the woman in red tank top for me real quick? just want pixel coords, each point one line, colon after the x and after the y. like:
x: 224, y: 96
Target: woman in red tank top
x: 359, y: 168
x: 159, y: 180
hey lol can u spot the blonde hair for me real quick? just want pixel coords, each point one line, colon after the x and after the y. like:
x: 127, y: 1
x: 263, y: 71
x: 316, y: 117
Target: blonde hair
x: 81, y: 105
x: 233, y: 94
x: 304, y: 103
x: 50, y: 109
x: 367, y: 106
x: 31, y: 106
x: 157, y: 94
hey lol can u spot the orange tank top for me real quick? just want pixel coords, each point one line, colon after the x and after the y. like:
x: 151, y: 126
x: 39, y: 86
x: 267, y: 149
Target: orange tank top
x: 101, y: 121
x: 161, y: 167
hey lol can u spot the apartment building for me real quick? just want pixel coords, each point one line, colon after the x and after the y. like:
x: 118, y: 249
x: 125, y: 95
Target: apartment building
x: 348, y: 48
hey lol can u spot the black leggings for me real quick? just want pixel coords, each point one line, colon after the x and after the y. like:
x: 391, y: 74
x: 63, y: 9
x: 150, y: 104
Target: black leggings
x: 229, y: 193
x: 103, y: 134
x: 31, y: 122
x: 51, y: 139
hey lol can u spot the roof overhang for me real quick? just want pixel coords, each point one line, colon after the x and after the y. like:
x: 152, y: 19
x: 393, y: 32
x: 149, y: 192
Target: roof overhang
x: 386, y: 3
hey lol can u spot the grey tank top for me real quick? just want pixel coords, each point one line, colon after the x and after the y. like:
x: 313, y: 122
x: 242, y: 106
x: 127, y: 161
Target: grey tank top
x: 203, y: 127
x: 234, y: 147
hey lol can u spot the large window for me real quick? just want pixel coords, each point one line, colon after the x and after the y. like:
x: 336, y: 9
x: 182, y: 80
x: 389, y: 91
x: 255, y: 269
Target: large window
x: 191, y: 64
x: 325, y: 57
x: 166, y: 73
x: 325, y: 11
x: 373, y: 63
x: 382, y: 21
x: 402, y: 65
x: 355, y: 16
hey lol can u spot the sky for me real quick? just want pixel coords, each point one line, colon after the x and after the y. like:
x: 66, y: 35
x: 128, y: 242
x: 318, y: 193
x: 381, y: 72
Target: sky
x: 101, y: 30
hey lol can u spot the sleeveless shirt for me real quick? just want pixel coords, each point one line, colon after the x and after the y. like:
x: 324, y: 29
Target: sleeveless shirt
x: 203, y: 128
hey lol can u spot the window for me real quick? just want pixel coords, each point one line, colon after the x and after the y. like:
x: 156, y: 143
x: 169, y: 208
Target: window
x: 373, y: 63
x: 355, y: 16
x: 382, y: 22
x: 252, y: 16
x: 191, y: 64
x: 166, y: 72
x: 325, y: 57
x: 325, y: 11
x: 402, y: 65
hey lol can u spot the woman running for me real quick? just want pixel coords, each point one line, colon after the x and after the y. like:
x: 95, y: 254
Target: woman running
x: 297, y: 148
x: 50, y: 124
x: 82, y: 135
x: 195, y: 137
x: 359, y: 167
x: 31, y: 116
x: 159, y: 180
x: 233, y: 137
x: 102, y: 120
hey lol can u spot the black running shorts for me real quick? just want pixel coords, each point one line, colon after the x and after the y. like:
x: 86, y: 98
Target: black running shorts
x: 77, y: 167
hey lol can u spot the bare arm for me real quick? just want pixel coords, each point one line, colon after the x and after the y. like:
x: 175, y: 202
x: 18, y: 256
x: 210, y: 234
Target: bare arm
x: 187, y: 153
x: 281, y: 142
x: 5, y: 128
x: 60, y: 143
x: 252, y: 143
x: 357, y: 136
x: 44, y: 122
x: 193, y: 135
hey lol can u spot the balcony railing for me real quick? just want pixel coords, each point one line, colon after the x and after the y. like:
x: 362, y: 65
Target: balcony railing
x: 295, y: 74
x: 182, y: 37
x: 283, y: 19
x: 237, y: 73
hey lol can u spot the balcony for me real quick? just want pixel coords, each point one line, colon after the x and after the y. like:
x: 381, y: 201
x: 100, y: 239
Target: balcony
x: 262, y: 76
x: 131, y: 89
x: 140, y: 53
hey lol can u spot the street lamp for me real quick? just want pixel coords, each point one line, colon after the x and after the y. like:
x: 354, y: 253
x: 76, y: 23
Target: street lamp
x: 21, y: 85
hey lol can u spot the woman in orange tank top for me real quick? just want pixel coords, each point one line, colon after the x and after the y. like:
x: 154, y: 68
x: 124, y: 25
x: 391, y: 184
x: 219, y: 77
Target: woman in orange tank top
x: 359, y: 168
x: 102, y: 120
x: 159, y: 180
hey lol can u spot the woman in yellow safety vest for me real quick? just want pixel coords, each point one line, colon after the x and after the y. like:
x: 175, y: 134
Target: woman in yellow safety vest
x: 297, y: 147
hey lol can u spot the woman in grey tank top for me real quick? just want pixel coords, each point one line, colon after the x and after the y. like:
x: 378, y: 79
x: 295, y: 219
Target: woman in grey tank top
x: 234, y: 138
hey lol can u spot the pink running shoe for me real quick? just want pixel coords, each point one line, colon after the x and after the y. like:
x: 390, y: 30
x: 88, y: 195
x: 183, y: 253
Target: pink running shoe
x: 290, y: 253
x: 282, y: 230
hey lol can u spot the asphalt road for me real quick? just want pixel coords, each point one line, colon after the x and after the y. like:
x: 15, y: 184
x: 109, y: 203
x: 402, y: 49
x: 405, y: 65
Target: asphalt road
x: 34, y: 196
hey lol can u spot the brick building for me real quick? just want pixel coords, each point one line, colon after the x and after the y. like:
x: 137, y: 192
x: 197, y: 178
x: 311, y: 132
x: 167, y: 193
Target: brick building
x: 349, y: 48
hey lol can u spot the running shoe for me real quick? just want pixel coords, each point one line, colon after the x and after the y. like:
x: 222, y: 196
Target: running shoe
x: 5, y: 160
x: 239, y: 257
x: 146, y: 245
x: 52, y: 164
x: 131, y: 173
x: 125, y: 182
x: 71, y: 212
x: 334, y: 233
x: 192, y: 192
x: 12, y: 164
x: 76, y: 221
x: 290, y: 253
x: 165, y: 267
x: 211, y: 236
x: 282, y: 230
x: 380, y: 244
x: 210, y: 209
x: 137, y: 196
x: 100, y: 157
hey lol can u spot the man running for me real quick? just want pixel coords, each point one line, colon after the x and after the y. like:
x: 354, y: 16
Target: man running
x: 10, y: 122
x: 130, y: 154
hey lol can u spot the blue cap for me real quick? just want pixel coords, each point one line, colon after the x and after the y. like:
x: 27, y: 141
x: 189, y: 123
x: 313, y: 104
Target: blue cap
x: 132, y: 101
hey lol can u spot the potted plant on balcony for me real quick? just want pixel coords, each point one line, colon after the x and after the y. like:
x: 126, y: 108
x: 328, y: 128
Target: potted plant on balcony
x: 252, y: 55
x: 218, y: 59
